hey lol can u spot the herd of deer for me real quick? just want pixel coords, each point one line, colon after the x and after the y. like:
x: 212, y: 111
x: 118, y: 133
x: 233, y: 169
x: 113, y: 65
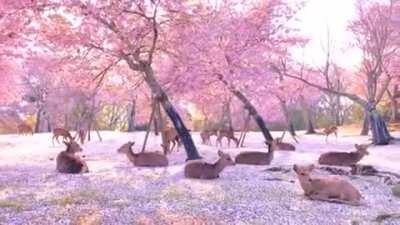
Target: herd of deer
x: 331, y: 188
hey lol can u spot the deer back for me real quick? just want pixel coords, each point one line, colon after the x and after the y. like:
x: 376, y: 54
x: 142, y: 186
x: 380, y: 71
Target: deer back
x: 340, y: 158
x: 68, y: 162
x: 285, y: 146
x: 150, y: 159
x: 62, y: 132
x: 201, y: 170
x: 254, y: 158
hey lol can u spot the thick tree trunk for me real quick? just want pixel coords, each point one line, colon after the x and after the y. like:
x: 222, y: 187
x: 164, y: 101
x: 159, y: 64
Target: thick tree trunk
x: 38, y: 120
x: 251, y: 109
x: 131, y: 116
x: 180, y: 127
x: 380, y: 133
x: 365, y: 127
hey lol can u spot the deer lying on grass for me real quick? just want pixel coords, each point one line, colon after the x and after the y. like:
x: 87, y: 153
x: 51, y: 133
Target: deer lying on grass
x: 229, y: 134
x: 172, y: 138
x: 144, y: 159
x: 257, y: 158
x: 206, y: 136
x: 68, y: 162
x: 330, y: 130
x: 344, y: 158
x: 331, y: 188
x: 280, y: 145
x: 57, y: 132
x: 201, y: 170
x: 24, y: 129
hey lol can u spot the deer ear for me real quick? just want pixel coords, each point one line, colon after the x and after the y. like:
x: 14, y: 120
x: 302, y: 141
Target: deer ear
x: 132, y: 143
x: 356, y: 145
x: 66, y: 143
x: 220, y: 152
x: 295, y: 168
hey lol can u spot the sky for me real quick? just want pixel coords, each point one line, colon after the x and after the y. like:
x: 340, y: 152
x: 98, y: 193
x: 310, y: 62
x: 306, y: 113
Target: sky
x: 315, y: 19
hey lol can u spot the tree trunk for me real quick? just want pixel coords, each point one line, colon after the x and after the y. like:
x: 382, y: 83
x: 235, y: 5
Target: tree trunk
x: 251, y: 109
x: 380, y: 133
x: 289, y: 122
x: 307, y: 115
x: 180, y: 127
x: 131, y: 116
x: 365, y: 128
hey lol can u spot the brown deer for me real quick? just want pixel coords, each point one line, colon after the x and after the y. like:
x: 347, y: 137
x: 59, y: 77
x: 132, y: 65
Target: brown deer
x: 68, y: 162
x: 331, y: 188
x: 330, y: 130
x: 229, y: 134
x: 57, y: 132
x: 171, y: 137
x: 283, y: 145
x: 202, y: 170
x: 206, y: 136
x: 24, y: 129
x: 143, y: 159
x: 256, y: 157
x: 344, y: 158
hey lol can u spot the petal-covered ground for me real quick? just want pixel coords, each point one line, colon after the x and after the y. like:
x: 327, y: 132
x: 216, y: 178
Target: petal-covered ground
x: 115, y: 192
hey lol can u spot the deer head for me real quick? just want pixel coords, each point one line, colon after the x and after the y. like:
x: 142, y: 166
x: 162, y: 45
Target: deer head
x: 126, y: 148
x: 362, y: 148
x: 225, y: 158
x: 73, y: 147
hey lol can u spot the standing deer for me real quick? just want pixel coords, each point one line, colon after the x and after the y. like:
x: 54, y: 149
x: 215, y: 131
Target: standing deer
x: 257, y: 157
x: 171, y: 137
x: 331, y: 189
x: 201, y: 170
x: 344, y: 158
x: 206, y: 136
x: 330, y: 130
x: 145, y: 159
x: 24, y: 129
x: 68, y: 162
x: 229, y: 134
x: 57, y: 132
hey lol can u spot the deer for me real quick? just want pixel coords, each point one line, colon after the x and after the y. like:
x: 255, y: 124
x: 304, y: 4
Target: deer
x: 199, y: 169
x: 143, y: 159
x: 344, y: 158
x: 172, y: 137
x: 330, y: 189
x: 68, y: 162
x: 24, y: 129
x: 330, y: 130
x: 57, y: 132
x: 256, y: 157
x: 206, y: 136
x: 283, y: 145
x: 229, y: 134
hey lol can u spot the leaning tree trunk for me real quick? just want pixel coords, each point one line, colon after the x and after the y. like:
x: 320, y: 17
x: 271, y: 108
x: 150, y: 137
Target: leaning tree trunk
x: 131, y: 116
x: 250, y: 108
x: 162, y: 97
